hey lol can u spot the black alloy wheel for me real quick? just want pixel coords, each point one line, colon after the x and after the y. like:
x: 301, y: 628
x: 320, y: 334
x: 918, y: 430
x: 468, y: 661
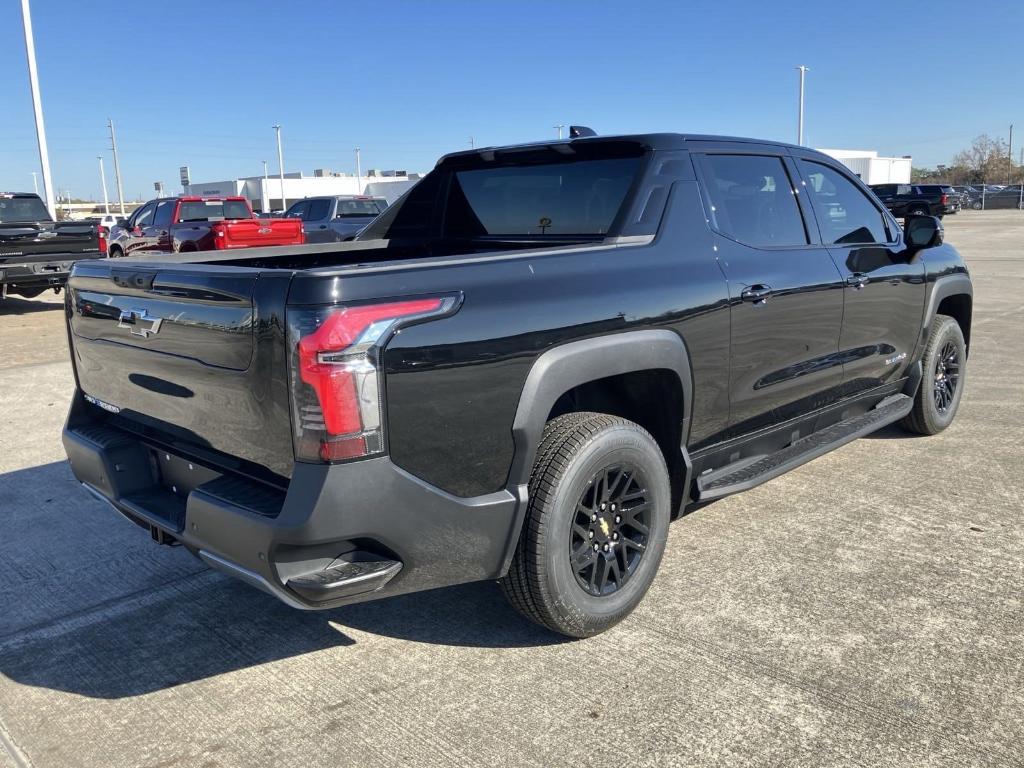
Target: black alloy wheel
x: 610, y: 529
x: 947, y: 376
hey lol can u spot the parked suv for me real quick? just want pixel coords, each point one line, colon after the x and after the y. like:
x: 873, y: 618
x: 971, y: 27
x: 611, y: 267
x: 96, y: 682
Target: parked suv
x: 918, y: 199
x: 336, y: 218
x: 522, y: 370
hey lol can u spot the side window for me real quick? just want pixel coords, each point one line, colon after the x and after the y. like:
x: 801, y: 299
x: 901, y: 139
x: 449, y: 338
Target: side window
x: 318, y: 209
x: 752, y: 200
x: 904, y: 189
x: 845, y: 214
x: 145, y: 216
x: 164, y: 210
x: 298, y: 211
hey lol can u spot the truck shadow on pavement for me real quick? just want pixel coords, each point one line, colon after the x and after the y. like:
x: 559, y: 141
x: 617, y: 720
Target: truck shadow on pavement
x: 145, y: 618
x: 15, y: 305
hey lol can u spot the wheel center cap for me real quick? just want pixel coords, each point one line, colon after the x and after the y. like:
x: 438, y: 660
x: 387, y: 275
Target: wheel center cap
x: 605, y: 529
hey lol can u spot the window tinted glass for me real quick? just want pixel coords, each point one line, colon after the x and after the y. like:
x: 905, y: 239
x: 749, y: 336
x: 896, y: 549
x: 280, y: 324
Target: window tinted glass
x: 318, y: 209
x: 845, y: 214
x: 752, y: 200
x: 145, y: 217
x: 206, y: 210
x: 164, y: 211
x: 360, y: 208
x: 576, y: 198
x: 299, y: 210
x: 17, y: 209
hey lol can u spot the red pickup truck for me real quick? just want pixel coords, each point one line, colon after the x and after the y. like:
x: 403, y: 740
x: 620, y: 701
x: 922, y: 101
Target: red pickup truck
x: 181, y: 224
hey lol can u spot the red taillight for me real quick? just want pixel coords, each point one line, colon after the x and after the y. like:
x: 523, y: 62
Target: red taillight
x: 336, y: 408
x: 101, y: 236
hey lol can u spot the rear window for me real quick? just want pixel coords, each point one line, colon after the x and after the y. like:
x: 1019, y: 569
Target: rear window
x: 22, y: 209
x: 348, y: 208
x: 581, y: 198
x: 213, y: 210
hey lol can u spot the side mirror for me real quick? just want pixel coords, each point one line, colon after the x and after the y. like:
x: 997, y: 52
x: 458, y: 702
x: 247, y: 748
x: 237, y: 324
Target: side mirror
x: 923, y: 232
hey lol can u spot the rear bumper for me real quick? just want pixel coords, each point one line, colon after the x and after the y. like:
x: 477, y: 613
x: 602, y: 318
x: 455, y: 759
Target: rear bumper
x: 52, y: 271
x: 329, y: 513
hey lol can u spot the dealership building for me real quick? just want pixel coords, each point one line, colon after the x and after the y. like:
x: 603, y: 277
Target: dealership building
x: 871, y: 168
x: 264, y: 193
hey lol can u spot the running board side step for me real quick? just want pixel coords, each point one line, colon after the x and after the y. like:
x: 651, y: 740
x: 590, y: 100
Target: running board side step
x: 344, y: 579
x: 727, y: 481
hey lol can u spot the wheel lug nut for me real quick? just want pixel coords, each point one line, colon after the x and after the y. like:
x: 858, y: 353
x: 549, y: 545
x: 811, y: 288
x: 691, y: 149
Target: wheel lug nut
x: 605, y: 547
x: 613, y: 507
x: 618, y: 518
x: 596, y: 546
x: 591, y: 534
x: 603, y: 505
x: 593, y: 518
x: 615, y: 536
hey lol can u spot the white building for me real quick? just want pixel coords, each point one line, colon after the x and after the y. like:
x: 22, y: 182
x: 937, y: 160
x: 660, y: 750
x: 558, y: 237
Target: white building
x: 264, y: 194
x: 871, y: 168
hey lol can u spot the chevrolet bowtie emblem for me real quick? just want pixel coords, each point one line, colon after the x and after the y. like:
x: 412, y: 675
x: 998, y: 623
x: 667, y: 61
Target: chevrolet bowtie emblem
x: 139, y: 322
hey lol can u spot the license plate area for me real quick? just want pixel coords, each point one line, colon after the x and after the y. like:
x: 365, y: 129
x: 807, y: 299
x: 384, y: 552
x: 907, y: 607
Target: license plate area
x: 177, y: 475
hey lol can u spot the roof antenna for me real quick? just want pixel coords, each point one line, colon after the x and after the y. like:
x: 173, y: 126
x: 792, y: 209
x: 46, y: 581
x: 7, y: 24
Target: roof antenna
x: 581, y: 132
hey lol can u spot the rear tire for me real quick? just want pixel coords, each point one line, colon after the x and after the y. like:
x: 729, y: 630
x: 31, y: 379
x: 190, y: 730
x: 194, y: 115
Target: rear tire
x: 598, y: 481
x: 919, y: 211
x: 115, y: 252
x: 942, y: 385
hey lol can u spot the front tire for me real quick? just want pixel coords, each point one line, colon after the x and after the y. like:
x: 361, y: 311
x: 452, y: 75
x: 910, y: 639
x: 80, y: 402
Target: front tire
x: 942, y: 384
x: 595, y: 527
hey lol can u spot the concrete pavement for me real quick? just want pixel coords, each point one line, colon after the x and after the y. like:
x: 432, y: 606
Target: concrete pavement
x: 862, y: 610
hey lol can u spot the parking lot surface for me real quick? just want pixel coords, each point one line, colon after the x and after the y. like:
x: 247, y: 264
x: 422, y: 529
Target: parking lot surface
x: 864, y: 609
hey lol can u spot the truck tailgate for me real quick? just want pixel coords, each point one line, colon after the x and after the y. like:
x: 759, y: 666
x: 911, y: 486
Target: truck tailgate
x: 189, y: 355
x: 246, y: 233
x: 21, y: 242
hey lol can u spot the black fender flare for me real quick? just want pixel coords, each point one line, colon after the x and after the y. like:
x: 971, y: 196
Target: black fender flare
x: 569, y: 365
x: 958, y: 284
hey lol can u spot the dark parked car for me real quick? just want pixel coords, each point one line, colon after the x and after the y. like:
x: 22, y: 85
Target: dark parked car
x: 918, y: 199
x: 36, y: 252
x: 1004, y: 197
x: 522, y: 370
x: 336, y: 218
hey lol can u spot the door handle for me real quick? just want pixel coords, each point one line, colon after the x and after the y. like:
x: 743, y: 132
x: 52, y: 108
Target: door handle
x: 323, y: 226
x: 857, y: 280
x: 757, y: 294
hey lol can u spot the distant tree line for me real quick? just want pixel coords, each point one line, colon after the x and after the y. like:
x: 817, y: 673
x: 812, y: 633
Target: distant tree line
x: 986, y: 161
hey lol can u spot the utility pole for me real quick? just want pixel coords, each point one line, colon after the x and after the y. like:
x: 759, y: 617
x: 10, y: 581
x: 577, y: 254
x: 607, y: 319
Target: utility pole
x: 37, y: 106
x: 265, y: 191
x: 117, y: 165
x: 103, y: 183
x: 280, y: 164
x: 800, y: 118
x: 1009, y: 158
x: 359, y: 174
x: 35, y: 183
x: 559, y: 129
x: 472, y: 144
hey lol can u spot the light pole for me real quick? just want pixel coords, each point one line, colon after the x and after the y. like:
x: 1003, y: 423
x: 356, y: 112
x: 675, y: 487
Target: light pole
x: 472, y: 143
x: 117, y: 165
x: 559, y: 129
x: 35, y: 183
x: 1009, y: 158
x: 280, y: 163
x: 37, y: 106
x: 800, y: 119
x: 103, y: 183
x: 359, y: 174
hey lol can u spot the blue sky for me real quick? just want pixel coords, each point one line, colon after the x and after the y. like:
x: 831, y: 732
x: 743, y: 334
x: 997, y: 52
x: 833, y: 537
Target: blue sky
x: 200, y: 83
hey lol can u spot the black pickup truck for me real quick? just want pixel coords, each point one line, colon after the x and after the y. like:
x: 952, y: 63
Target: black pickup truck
x: 918, y: 199
x: 37, y: 252
x: 520, y: 371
